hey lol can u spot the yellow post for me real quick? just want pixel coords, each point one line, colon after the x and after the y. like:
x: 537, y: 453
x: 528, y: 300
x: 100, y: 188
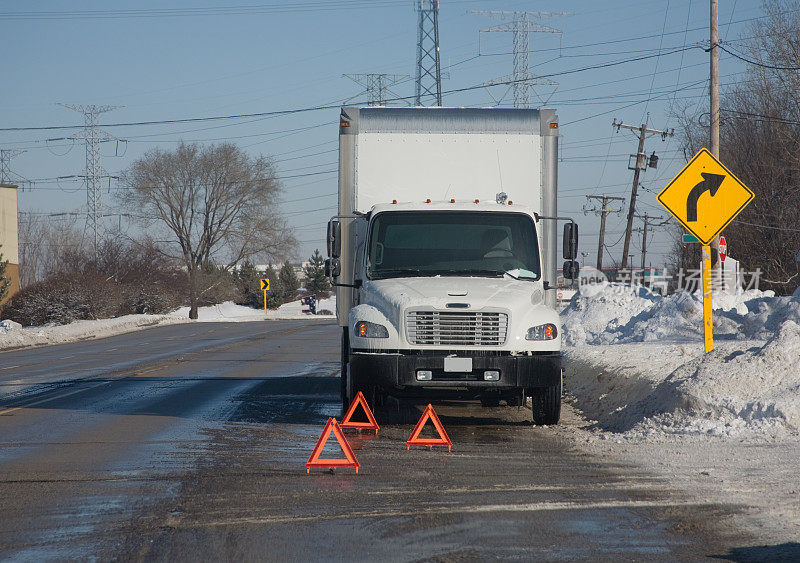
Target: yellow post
x: 707, y: 315
x: 265, y: 301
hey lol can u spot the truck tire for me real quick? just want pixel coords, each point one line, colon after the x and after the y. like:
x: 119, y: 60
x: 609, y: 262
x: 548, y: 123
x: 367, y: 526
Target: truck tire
x: 546, y: 404
x: 345, y: 365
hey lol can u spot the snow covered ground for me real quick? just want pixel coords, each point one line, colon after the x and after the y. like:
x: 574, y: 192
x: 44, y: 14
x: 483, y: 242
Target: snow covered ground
x: 230, y: 312
x: 724, y: 426
x: 12, y: 335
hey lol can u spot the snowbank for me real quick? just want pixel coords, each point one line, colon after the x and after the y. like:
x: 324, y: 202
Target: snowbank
x: 636, y: 363
x: 13, y: 335
x: 230, y: 312
x: 17, y: 337
x: 608, y: 313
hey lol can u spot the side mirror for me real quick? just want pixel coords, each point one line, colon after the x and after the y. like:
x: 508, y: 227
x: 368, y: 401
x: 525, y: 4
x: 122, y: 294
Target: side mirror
x: 570, y: 243
x: 333, y: 267
x: 571, y: 269
x: 334, y: 239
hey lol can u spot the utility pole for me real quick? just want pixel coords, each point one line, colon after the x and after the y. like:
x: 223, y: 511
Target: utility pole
x: 714, y: 105
x: 640, y: 164
x: 521, y: 25
x: 603, y: 212
x: 429, y: 68
x: 93, y: 136
x: 647, y: 223
x: 376, y: 86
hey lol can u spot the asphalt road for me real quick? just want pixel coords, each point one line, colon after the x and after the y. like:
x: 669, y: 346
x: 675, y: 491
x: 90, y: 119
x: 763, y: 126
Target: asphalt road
x: 188, y: 442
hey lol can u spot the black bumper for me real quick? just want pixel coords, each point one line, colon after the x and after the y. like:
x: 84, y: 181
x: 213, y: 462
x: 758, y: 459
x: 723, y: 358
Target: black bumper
x: 399, y: 370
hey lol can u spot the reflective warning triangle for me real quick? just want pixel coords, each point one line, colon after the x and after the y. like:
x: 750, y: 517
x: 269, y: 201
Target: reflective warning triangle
x: 371, y: 423
x: 350, y: 458
x: 442, y: 440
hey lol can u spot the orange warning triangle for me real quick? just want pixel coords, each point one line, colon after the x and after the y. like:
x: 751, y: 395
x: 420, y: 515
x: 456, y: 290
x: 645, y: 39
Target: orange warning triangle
x: 370, y: 425
x: 350, y: 458
x: 442, y: 440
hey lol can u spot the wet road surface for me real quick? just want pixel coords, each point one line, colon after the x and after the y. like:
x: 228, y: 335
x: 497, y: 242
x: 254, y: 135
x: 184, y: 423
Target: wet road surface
x: 189, y: 442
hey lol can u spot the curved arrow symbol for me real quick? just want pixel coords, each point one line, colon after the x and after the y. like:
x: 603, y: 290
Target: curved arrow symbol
x: 710, y: 183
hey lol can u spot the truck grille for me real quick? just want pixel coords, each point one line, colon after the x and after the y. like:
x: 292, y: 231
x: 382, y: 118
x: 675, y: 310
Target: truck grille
x: 448, y: 328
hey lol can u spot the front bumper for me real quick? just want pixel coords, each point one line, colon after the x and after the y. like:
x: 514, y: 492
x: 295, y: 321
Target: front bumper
x: 398, y: 370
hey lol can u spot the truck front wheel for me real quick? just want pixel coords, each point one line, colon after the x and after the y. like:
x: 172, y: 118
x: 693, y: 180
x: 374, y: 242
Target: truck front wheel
x: 345, y: 368
x: 546, y: 404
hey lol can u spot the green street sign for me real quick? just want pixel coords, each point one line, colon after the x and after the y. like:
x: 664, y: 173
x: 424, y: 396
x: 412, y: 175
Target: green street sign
x: 689, y: 238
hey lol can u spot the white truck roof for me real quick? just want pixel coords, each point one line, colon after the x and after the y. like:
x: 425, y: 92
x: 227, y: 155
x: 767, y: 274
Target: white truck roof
x: 411, y: 154
x: 448, y: 206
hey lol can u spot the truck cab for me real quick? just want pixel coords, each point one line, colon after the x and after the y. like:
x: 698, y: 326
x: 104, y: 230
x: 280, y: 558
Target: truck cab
x: 450, y: 297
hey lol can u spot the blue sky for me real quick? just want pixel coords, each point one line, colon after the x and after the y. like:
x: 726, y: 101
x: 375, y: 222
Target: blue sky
x: 290, y: 55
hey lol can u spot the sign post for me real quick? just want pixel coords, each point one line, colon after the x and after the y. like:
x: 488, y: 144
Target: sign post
x: 705, y: 197
x: 265, y: 289
x: 708, y: 320
x: 723, y: 253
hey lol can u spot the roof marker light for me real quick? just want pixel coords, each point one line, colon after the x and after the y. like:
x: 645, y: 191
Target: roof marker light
x: 452, y: 200
x: 477, y: 201
x: 394, y: 201
x: 510, y: 202
x: 428, y: 200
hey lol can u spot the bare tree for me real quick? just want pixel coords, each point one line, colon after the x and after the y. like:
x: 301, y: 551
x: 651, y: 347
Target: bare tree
x: 46, y: 245
x: 760, y: 143
x: 215, y: 202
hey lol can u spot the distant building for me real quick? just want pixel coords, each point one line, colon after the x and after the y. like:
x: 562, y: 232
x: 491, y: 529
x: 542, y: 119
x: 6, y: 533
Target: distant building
x: 9, y: 234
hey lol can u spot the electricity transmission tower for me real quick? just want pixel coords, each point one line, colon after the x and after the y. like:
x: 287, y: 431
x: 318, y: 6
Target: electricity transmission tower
x: 93, y: 136
x: 603, y: 212
x: 639, y: 161
x: 521, y: 25
x: 376, y: 86
x: 429, y: 68
x: 6, y: 175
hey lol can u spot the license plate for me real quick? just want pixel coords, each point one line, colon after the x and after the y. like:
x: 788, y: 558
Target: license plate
x: 461, y: 365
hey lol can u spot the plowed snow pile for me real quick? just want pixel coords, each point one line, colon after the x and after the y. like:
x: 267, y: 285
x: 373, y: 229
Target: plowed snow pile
x: 636, y: 364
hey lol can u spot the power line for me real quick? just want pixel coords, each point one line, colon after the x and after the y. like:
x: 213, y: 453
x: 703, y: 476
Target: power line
x: 337, y: 106
x: 769, y: 227
x: 592, y: 116
x: 655, y: 68
x: 282, y: 7
x: 762, y: 117
x: 756, y: 63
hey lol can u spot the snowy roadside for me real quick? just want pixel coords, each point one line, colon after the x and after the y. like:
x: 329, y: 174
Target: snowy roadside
x: 723, y: 427
x: 13, y: 335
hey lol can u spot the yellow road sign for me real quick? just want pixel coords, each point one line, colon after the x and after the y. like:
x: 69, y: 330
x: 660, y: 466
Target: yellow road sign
x: 705, y: 196
x: 265, y: 284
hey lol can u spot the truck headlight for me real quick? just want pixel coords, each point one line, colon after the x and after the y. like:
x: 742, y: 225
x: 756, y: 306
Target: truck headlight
x: 366, y: 329
x: 542, y: 332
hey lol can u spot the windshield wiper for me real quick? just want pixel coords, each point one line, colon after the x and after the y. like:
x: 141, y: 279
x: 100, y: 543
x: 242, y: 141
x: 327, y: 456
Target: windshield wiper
x: 478, y: 272
x: 397, y: 273
x: 475, y: 272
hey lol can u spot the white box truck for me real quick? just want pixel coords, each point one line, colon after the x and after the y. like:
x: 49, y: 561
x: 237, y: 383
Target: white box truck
x: 443, y: 255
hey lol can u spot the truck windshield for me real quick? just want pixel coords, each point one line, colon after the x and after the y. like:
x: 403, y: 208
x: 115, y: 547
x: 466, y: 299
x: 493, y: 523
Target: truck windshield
x: 453, y: 243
